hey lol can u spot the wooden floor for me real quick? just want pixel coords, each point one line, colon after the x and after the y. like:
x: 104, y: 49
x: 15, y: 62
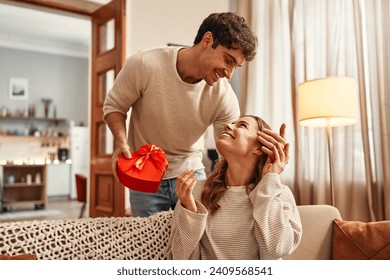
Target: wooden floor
x: 70, y: 208
x: 66, y: 209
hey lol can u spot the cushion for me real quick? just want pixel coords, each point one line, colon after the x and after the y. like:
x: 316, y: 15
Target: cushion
x: 18, y: 257
x: 354, y: 240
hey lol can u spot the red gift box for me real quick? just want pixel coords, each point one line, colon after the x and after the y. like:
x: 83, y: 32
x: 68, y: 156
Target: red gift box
x: 144, y: 170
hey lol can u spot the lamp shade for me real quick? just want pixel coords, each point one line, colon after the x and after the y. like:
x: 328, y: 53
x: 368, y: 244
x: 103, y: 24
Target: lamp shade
x: 329, y: 101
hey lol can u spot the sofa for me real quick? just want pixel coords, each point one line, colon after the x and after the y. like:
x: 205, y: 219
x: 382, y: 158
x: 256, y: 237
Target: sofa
x: 317, y: 231
x: 138, y: 238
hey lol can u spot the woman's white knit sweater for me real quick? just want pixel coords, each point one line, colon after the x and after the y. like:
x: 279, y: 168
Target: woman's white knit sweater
x: 264, y: 225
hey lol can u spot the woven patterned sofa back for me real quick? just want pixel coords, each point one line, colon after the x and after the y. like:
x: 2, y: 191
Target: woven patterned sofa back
x: 89, y: 239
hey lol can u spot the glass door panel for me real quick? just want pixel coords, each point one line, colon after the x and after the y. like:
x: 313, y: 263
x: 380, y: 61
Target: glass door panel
x: 105, y: 140
x: 107, y: 36
x: 106, y: 80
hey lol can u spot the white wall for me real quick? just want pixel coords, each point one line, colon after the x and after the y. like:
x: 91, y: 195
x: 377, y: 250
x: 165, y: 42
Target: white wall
x: 152, y: 23
x: 63, y: 79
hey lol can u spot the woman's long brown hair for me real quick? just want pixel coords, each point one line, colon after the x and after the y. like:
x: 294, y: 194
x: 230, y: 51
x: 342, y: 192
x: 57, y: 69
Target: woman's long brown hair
x: 215, y: 184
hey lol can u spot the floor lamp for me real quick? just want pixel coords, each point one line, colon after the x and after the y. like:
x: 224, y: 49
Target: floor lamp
x: 328, y: 102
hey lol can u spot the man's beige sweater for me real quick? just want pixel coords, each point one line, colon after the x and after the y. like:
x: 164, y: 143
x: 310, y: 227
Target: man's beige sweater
x: 167, y: 111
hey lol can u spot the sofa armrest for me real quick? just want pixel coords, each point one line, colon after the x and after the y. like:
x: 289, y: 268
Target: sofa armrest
x: 317, y: 227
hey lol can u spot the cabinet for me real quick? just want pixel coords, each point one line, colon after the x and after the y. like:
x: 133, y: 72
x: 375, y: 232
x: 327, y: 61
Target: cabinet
x: 58, y: 179
x: 23, y: 185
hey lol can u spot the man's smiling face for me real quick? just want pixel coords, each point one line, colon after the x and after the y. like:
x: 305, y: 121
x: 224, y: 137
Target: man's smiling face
x: 219, y: 62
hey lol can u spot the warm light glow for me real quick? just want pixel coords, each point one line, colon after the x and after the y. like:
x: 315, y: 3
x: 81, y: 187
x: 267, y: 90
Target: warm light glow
x: 329, y: 101
x: 39, y: 162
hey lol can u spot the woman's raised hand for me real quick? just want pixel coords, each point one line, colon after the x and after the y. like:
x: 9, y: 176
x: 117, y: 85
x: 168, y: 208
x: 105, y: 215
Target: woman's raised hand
x: 277, y: 149
x: 278, y: 162
x: 268, y: 139
x: 185, y: 184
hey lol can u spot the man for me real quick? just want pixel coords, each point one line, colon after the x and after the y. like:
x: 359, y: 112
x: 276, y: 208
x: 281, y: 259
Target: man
x: 175, y: 94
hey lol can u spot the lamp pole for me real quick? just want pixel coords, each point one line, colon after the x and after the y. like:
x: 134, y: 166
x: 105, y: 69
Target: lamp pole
x: 330, y: 151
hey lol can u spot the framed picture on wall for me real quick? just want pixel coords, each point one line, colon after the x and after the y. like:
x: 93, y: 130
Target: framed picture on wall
x: 18, y: 88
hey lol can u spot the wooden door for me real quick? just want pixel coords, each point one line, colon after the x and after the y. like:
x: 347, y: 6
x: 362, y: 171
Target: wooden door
x: 106, y: 196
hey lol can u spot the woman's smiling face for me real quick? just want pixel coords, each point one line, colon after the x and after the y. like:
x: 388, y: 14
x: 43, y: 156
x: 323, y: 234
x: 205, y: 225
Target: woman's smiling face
x: 239, y: 138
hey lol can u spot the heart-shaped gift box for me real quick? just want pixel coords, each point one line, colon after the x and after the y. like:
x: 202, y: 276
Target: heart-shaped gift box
x: 144, y: 170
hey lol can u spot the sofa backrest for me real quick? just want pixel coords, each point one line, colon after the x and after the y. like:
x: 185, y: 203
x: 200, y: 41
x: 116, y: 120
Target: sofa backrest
x: 317, y: 226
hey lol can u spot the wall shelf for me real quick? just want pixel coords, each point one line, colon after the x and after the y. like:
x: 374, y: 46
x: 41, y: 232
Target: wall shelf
x: 13, y: 119
x: 32, y: 119
x: 33, y: 137
x: 22, y: 185
x: 16, y: 126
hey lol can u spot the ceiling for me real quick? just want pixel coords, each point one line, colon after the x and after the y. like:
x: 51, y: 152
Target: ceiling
x: 38, y: 30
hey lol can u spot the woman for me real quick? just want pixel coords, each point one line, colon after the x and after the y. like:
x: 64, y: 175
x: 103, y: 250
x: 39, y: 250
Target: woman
x: 242, y: 210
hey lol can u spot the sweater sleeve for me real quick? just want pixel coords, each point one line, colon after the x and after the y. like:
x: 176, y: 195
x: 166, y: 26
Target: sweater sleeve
x: 278, y: 225
x: 187, y: 229
x: 127, y: 87
x: 228, y: 111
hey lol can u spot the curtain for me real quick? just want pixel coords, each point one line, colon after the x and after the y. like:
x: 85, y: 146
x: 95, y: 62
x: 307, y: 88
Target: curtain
x: 302, y: 40
x: 374, y: 77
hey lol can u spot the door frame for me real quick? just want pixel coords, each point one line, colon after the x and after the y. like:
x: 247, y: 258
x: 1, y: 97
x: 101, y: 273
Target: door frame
x: 81, y: 7
x: 107, y: 196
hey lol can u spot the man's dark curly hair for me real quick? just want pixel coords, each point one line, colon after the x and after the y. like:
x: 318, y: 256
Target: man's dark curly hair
x: 231, y: 31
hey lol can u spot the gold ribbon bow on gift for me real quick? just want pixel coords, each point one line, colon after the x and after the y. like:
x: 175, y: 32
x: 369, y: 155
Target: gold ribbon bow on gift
x: 157, y: 155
